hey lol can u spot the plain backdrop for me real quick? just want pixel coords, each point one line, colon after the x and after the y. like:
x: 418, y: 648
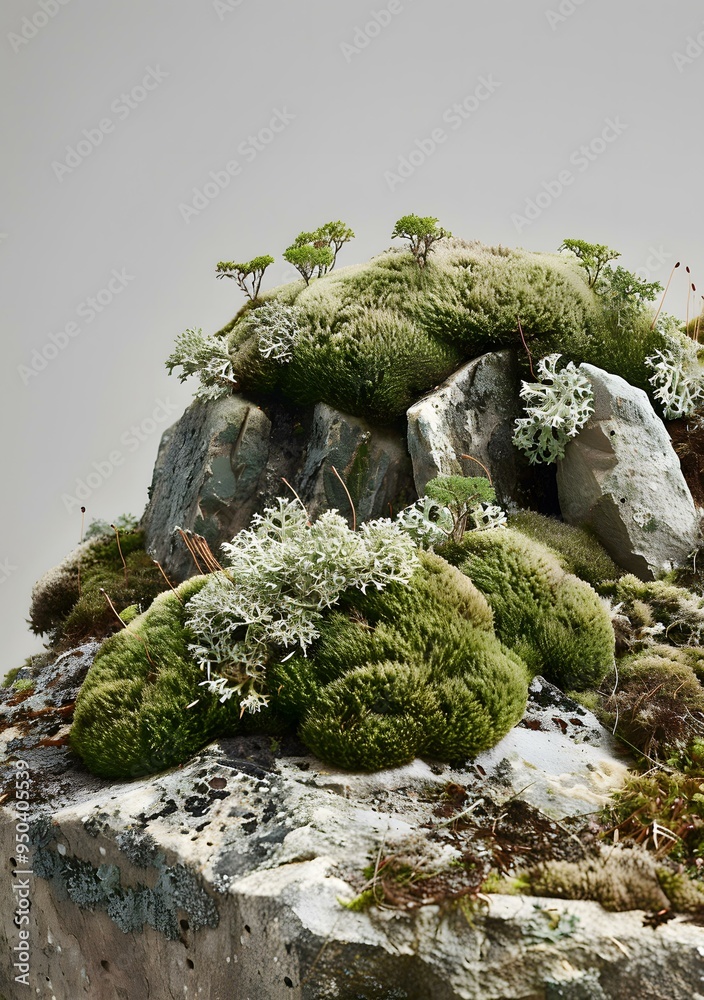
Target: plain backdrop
x: 119, y: 120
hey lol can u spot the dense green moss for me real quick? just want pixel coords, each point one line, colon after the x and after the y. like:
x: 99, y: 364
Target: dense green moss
x: 374, y: 337
x: 67, y: 602
x: 578, y: 551
x: 550, y: 618
x: 653, y: 605
x: 131, y: 715
x: 406, y: 671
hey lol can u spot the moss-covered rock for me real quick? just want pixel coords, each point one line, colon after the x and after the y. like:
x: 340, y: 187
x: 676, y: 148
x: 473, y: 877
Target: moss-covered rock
x: 376, y: 336
x: 396, y: 673
x: 620, y: 879
x: 403, y: 672
x: 550, y: 618
x: 68, y: 603
x: 677, y: 613
x: 657, y: 702
x: 132, y: 715
x: 577, y: 549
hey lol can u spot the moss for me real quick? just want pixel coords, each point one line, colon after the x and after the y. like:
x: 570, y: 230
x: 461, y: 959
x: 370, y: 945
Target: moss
x: 11, y: 676
x: 67, y: 602
x: 619, y: 878
x: 131, y: 714
x: 658, y: 602
x: 578, y: 551
x: 375, y: 337
x: 403, y: 672
x: 664, y: 810
x: 658, y: 704
x: 550, y: 618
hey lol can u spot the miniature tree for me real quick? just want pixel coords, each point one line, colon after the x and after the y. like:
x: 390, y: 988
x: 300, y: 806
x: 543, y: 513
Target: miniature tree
x: 461, y: 495
x: 422, y: 232
x: 306, y: 257
x: 251, y: 271
x: 334, y: 235
x: 592, y: 256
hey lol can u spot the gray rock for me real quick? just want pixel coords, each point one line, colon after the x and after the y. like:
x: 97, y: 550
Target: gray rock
x: 206, y: 478
x: 621, y: 477
x: 559, y: 758
x: 225, y: 878
x: 472, y: 413
x: 228, y: 875
x: 372, y: 461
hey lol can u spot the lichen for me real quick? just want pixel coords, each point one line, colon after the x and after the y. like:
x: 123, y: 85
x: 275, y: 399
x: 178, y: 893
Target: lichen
x: 176, y: 889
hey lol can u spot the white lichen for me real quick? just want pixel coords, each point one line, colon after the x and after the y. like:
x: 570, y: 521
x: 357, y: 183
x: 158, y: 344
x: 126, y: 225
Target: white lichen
x: 557, y: 407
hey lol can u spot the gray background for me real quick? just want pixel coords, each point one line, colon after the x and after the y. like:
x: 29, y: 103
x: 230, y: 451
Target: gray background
x: 559, y: 70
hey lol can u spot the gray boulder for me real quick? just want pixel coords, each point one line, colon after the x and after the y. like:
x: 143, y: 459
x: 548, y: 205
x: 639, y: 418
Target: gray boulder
x: 227, y: 876
x: 622, y: 478
x: 206, y: 478
x: 472, y: 413
x: 372, y: 461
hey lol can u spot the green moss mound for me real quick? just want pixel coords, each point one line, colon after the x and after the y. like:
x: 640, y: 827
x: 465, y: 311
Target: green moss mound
x: 131, y: 715
x: 374, y: 337
x: 550, y: 618
x: 396, y: 673
x: 658, y: 701
x: 656, y: 604
x: 621, y: 878
x: 578, y: 551
x: 67, y: 602
x: 404, y: 672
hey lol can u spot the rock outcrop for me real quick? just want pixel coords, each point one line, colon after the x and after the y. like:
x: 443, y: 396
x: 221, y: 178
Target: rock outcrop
x: 372, y: 462
x: 621, y: 477
x: 228, y: 876
x: 473, y: 413
x: 206, y: 478
x: 225, y: 460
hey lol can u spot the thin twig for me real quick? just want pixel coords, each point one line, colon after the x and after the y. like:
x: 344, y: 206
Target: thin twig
x: 530, y: 359
x: 119, y: 549
x: 190, y: 549
x: 465, y: 812
x: 354, y: 512
x: 83, y: 517
x: 613, y: 694
x: 126, y: 626
x: 662, y: 300
x: 161, y: 570
x: 471, y: 458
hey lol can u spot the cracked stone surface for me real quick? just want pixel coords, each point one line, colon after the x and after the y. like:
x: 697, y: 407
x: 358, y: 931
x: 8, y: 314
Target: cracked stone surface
x: 277, y: 840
